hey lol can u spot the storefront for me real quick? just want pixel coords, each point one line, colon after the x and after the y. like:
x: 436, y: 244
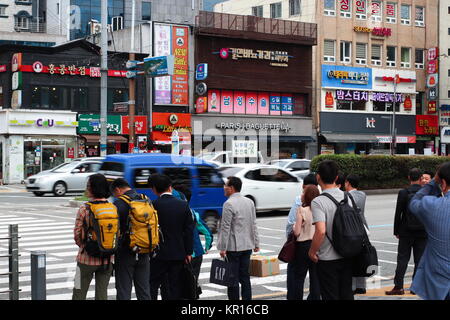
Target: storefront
x: 118, y: 128
x: 34, y: 141
x: 427, y: 131
x: 254, y: 84
x: 357, y: 110
x: 171, y: 130
x: 444, y: 122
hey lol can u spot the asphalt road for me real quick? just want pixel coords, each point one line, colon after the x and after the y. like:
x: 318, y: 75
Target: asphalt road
x: 46, y: 223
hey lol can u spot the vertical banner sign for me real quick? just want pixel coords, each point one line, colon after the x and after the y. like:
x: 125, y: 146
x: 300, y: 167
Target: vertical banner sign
x: 361, y: 6
x: 263, y: 103
x: 287, y: 104
x: 432, y: 54
x: 390, y: 10
x: 214, y: 98
x: 202, y: 105
x: 180, y: 78
x: 432, y: 107
x: 251, y: 103
x: 227, y: 101
x: 162, y: 47
x: 344, y: 5
x: 239, y: 102
x: 16, y: 62
x: 275, y: 104
x: 376, y: 8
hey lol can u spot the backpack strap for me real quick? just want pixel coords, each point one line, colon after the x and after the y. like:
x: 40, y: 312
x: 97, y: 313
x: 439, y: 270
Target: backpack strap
x: 125, y: 198
x: 329, y: 196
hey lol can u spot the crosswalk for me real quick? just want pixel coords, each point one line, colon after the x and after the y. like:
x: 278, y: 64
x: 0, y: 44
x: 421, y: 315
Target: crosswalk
x: 56, y: 239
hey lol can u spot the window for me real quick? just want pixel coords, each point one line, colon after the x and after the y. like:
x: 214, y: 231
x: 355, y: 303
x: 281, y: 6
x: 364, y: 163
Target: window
x: 345, y: 8
x: 405, y: 14
x: 59, y: 98
x: 448, y: 52
x: 379, y: 106
x: 179, y: 175
x: 294, y: 7
x: 405, y: 58
x: 390, y: 56
x: 258, y: 11
x: 448, y: 94
x: 146, y: 11
x: 2, y: 11
x: 269, y: 174
x: 275, y: 10
x: 329, y: 53
x: 376, y: 9
x: 115, y: 96
x: 112, y: 169
x: 351, y: 100
x: 141, y: 177
x: 299, y: 165
x: 330, y: 8
x: 346, y: 51
x: 117, y: 23
x: 21, y: 22
x: 361, y: 9
x: 448, y: 31
x: 420, y: 17
x: 376, y: 55
x: 391, y: 12
x: 419, y: 58
x: 1, y: 99
x: 361, y: 53
x: 448, y: 72
x: 209, y: 178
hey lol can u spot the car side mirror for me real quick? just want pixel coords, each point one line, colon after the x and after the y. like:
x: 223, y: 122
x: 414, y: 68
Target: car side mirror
x: 76, y: 171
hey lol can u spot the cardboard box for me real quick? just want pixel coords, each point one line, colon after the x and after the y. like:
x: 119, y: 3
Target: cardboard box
x: 263, y: 266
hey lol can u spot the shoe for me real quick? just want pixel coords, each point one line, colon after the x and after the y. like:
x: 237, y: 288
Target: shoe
x: 412, y: 292
x: 359, y: 291
x: 395, y: 292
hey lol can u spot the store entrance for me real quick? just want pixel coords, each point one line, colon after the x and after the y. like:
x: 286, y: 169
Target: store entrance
x: 52, y: 156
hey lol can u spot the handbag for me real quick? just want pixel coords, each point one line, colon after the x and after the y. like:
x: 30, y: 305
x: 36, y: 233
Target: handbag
x: 366, y: 262
x: 189, y: 283
x: 224, y: 273
x: 287, y: 253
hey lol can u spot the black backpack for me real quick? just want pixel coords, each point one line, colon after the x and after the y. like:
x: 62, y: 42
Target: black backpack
x: 412, y: 222
x: 348, y: 228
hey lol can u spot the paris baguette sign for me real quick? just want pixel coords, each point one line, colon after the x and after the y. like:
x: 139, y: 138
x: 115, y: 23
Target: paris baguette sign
x: 283, y: 126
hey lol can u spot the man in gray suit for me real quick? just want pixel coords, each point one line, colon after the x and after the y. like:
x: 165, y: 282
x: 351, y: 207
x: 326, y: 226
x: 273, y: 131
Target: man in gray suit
x: 351, y: 186
x: 238, y: 235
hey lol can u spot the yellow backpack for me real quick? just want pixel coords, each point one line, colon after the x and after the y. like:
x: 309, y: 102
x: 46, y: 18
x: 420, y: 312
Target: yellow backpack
x: 143, y: 228
x: 102, y: 230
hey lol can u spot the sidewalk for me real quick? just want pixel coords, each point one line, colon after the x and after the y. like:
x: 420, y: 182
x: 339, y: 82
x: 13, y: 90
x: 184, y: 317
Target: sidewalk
x: 12, y: 188
x: 379, y: 294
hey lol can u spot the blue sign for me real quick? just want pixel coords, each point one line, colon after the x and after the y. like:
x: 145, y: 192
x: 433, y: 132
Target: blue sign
x: 346, y: 77
x: 201, y: 73
x: 287, y: 104
x: 275, y: 103
x: 159, y: 66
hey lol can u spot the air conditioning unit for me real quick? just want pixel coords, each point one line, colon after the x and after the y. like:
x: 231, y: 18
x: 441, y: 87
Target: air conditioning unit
x: 95, y: 27
x: 376, y: 62
x: 420, y: 24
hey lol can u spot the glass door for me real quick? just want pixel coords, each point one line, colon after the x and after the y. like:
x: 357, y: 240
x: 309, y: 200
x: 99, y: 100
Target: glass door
x: 52, y: 156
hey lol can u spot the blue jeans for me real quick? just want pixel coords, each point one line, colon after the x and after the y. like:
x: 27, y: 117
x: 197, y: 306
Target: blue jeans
x: 242, y: 258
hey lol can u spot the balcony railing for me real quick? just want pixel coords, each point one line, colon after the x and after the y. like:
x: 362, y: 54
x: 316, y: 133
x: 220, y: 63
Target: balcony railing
x: 33, y: 27
x: 232, y: 22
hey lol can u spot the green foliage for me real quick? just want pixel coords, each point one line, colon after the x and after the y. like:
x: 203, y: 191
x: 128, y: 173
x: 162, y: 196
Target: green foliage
x: 381, y: 172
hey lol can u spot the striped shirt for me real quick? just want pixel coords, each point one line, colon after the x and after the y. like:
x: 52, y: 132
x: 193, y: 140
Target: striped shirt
x: 79, y: 237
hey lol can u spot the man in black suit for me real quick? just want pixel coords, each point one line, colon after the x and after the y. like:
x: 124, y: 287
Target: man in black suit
x: 177, y: 226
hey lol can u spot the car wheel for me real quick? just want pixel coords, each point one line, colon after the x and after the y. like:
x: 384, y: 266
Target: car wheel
x: 38, y: 194
x: 212, y: 221
x: 59, y: 189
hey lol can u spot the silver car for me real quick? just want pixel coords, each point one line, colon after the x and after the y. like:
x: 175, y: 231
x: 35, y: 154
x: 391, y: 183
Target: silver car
x: 67, y: 177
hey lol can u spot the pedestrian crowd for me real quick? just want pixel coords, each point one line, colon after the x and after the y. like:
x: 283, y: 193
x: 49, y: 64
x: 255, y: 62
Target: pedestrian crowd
x: 156, y: 245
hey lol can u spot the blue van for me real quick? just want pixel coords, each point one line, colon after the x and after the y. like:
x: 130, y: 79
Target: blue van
x: 203, y: 180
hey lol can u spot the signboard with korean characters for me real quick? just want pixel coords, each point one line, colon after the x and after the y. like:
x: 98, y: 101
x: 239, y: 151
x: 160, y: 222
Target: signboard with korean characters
x: 244, y: 148
x: 427, y: 125
x: 346, y: 77
x: 444, y: 115
x: 90, y: 124
x: 432, y: 80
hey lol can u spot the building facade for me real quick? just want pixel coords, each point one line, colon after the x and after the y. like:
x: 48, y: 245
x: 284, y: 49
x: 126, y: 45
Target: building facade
x: 257, y: 86
x: 444, y: 75
x: 362, y: 47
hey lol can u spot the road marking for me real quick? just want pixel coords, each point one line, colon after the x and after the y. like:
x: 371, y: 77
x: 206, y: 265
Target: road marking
x: 270, y: 229
x: 392, y: 262
x: 394, y: 244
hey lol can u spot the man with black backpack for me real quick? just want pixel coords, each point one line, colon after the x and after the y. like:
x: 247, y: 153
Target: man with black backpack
x: 339, y: 235
x: 131, y: 264
x: 409, y: 231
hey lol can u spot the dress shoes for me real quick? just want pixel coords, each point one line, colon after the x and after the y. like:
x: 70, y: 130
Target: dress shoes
x: 395, y: 292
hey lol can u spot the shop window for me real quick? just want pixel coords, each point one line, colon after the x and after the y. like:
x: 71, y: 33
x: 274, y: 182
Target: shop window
x: 420, y: 17
x: 209, y: 178
x: 141, y: 177
x: 419, y: 58
x: 78, y: 99
x: 405, y: 14
x: 330, y: 8
x: 379, y: 106
x: 179, y: 175
x: 376, y: 55
x: 258, y: 11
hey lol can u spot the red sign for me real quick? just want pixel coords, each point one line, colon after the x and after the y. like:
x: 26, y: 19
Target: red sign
x: 214, y: 98
x: 140, y: 125
x: 432, y: 54
x: 3, y: 68
x: 202, y: 105
x: 72, y: 70
x: 226, y: 105
x: 16, y: 62
x: 180, y: 78
x: 432, y: 66
x: 382, y: 32
x: 251, y: 102
x: 70, y: 153
x: 427, y: 125
x: 407, y: 105
x: 432, y: 107
x: 239, y: 102
x: 162, y: 128
x: 329, y: 100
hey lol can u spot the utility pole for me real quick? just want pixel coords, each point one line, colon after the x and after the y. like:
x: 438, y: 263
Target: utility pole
x: 132, y: 85
x: 393, y: 132
x: 104, y: 79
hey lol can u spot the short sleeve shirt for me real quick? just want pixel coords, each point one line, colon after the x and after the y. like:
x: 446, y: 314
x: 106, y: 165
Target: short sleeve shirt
x: 323, y: 210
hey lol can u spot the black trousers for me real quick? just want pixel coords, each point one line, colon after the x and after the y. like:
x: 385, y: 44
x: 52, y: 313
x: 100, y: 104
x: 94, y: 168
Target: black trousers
x: 335, y: 279
x: 296, y: 274
x: 130, y: 270
x: 242, y: 258
x: 166, y: 275
x: 405, y: 245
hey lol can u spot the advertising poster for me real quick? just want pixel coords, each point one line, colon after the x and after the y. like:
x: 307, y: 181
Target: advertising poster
x: 239, y: 102
x: 275, y: 104
x: 162, y: 47
x: 180, y: 46
x: 263, y: 103
x: 287, y: 104
x: 251, y: 103
x: 140, y: 125
x: 226, y: 105
x: 214, y: 98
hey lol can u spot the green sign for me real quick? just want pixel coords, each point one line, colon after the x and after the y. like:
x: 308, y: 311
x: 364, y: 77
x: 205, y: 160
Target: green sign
x: 90, y: 124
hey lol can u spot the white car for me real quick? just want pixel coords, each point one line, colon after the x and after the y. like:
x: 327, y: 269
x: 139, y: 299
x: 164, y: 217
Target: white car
x: 269, y: 187
x: 225, y: 158
x: 298, y: 167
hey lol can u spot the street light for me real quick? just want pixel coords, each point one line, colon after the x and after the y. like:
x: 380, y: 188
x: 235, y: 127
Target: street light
x: 393, y: 129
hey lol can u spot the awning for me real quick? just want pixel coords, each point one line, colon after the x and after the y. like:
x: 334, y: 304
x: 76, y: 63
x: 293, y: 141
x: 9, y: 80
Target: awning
x: 94, y: 138
x: 350, y: 138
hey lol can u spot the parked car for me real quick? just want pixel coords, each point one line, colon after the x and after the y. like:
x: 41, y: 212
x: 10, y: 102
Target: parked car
x: 225, y: 158
x: 203, y: 180
x: 269, y: 187
x: 298, y: 167
x: 67, y: 177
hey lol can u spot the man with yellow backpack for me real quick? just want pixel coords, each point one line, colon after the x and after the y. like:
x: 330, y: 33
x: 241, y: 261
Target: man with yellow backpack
x: 139, y: 238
